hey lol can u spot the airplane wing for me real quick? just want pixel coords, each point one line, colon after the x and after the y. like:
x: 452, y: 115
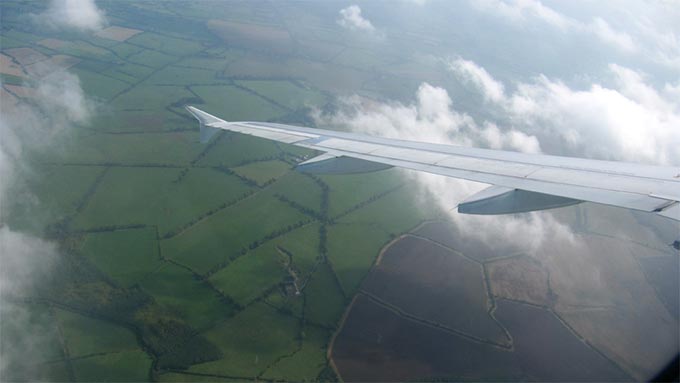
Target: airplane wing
x: 520, y: 182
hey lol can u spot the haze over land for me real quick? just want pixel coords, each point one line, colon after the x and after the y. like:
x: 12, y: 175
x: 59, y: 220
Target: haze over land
x: 130, y: 251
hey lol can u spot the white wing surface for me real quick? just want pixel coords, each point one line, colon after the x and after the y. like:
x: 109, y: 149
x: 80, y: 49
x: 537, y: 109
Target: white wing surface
x: 521, y: 182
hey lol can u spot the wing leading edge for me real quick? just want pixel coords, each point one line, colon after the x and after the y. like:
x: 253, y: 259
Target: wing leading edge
x: 522, y: 182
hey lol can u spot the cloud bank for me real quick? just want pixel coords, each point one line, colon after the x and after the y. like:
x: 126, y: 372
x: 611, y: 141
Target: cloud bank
x: 629, y: 120
x: 352, y: 19
x: 432, y: 118
x: 76, y: 14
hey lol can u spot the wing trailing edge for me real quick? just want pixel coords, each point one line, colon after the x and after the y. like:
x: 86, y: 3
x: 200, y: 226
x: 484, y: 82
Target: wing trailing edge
x: 331, y: 164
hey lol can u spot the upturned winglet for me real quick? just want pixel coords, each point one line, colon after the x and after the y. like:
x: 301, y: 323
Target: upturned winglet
x: 205, y: 120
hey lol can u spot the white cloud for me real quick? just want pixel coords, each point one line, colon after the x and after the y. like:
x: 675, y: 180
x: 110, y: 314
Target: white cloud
x: 352, y: 19
x: 77, y: 14
x: 632, y: 121
x: 58, y: 104
x: 25, y: 259
x: 469, y: 71
x: 431, y: 118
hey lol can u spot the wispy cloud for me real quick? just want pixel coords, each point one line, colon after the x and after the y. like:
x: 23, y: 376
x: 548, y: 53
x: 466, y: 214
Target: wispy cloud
x: 77, y: 14
x: 57, y: 103
x: 352, y: 19
x: 519, y: 11
x: 640, y: 35
x: 608, y: 35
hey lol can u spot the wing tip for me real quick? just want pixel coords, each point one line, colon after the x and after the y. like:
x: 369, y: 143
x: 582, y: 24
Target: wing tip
x: 204, y: 119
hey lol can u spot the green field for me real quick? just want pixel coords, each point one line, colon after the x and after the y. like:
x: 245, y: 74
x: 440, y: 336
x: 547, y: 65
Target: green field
x: 222, y: 236
x: 251, y: 342
x: 349, y: 190
x: 126, y: 366
x: 251, y: 275
x: 299, y: 189
x: 285, y: 93
x: 231, y: 149
x: 161, y: 197
x: 306, y: 363
x: 85, y: 336
x: 127, y: 256
x: 100, y: 88
x: 179, y: 258
x: 262, y: 172
x: 325, y: 301
x: 166, y: 44
x: 261, y: 270
x: 151, y: 58
x: 160, y: 149
x: 59, y: 190
x: 235, y: 104
x: 179, y: 291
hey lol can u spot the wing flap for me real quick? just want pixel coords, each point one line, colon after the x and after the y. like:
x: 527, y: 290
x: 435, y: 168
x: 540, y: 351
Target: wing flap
x: 672, y: 212
x: 501, y: 200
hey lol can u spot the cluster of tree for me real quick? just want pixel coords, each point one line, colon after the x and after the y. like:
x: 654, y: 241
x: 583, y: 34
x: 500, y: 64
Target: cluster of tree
x: 268, y: 182
x: 206, y: 149
x: 176, y: 345
x: 327, y: 375
x: 304, y: 209
x: 60, y: 230
x: 82, y: 201
x: 101, y: 229
x: 277, y: 233
x: 286, y: 252
x: 325, y: 194
x: 323, y: 239
x: 57, y: 230
x: 78, y: 286
x: 183, y: 173
x: 221, y: 265
x: 243, y: 179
